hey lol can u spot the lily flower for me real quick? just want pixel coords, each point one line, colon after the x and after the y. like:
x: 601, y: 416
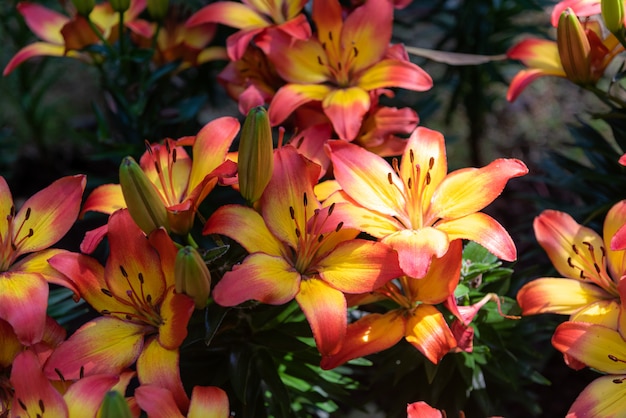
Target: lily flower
x: 589, y: 289
x: 299, y: 249
x: 254, y: 18
x: 581, y: 54
x: 180, y: 182
x: 416, y: 318
x: 35, y: 395
x: 417, y: 207
x: 65, y: 36
x: 41, y: 221
x: 340, y: 66
x: 143, y: 318
x: 603, y: 349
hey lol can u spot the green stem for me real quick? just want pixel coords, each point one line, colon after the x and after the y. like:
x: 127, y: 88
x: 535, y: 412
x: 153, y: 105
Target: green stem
x: 95, y: 30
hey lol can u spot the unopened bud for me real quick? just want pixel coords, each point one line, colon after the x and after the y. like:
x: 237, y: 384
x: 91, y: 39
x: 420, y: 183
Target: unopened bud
x: 158, y: 8
x: 84, y: 7
x: 574, y: 48
x: 114, y: 406
x: 193, y: 277
x: 119, y: 6
x: 142, y: 198
x: 255, y: 161
x: 613, y: 15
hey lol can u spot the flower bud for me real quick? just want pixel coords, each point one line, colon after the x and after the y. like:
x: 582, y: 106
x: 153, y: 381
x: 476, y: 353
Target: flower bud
x: 142, y: 198
x: 613, y: 15
x: 574, y: 48
x: 193, y: 277
x: 114, y: 406
x: 84, y: 7
x: 158, y: 8
x: 119, y: 6
x: 255, y: 162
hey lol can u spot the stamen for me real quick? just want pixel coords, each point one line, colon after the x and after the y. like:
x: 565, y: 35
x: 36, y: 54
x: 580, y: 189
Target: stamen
x: 339, y: 226
x: 107, y: 292
x: 22, y: 404
x: 319, y: 60
x: 330, y: 35
x: 292, y: 212
x: 41, y: 406
x: 356, y: 51
x: 58, y: 372
x: 123, y: 271
x: 331, y: 208
x: 305, y: 200
x: 431, y: 163
x: 81, y: 373
x: 389, y: 178
x: 411, y: 156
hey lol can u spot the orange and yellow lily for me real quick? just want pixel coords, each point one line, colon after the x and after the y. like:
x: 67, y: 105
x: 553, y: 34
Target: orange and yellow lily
x: 299, y: 249
x: 144, y: 319
x: 581, y: 54
x: 254, y: 18
x: 65, y: 36
x: 603, y: 349
x: 180, y: 182
x: 416, y: 319
x: 41, y: 221
x: 417, y: 207
x: 342, y: 66
x: 590, y: 287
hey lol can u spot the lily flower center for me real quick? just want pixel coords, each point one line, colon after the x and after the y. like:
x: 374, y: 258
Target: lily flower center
x: 339, y: 61
x: 164, y: 166
x: 416, y: 184
x: 15, y: 237
x: 145, y: 312
x: 310, y: 240
x: 591, y: 265
x: 398, y: 294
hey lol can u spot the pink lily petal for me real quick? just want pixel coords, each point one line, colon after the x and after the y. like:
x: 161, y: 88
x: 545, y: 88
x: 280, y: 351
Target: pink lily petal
x: 23, y: 303
x: 345, y: 108
x: 176, y: 310
x: 229, y: 13
x: 291, y: 96
x: 427, y: 330
x: 93, y: 238
x: 45, y: 23
x: 483, y: 229
x: 422, y: 410
x: 325, y: 310
x: 558, y: 295
x: 416, y: 248
x: 261, y: 277
x: 49, y: 214
x: 36, y: 49
x: 84, y: 397
x: 157, y: 402
x: 371, y: 334
x: 105, y: 199
x: 395, y: 73
x: 613, y: 227
x: 238, y: 42
x: 103, y: 345
x: 540, y: 54
x: 208, y: 402
x: 594, y: 345
x: 246, y: 226
x: 581, y: 8
x: 159, y: 366
x: 603, y: 397
x: 359, y: 266
x: 34, y: 394
x: 524, y: 78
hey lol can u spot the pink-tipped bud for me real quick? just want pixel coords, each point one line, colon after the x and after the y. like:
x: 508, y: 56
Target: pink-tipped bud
x: 193, y: 277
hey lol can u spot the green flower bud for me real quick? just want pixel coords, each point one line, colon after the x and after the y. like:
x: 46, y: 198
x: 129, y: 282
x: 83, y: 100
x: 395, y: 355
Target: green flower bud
x: 192, y: 275
x: 613, y: 15
x: 256, y: 161
x: 158, y: 8
x: 574, y: 48
x: 142, y: 198
x: 114, y: 406
x: 120, y: 6
x: 84, y: 7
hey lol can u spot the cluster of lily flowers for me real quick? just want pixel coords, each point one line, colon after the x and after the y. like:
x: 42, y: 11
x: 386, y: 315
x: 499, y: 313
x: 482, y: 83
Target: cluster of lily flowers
x: 324, y: 218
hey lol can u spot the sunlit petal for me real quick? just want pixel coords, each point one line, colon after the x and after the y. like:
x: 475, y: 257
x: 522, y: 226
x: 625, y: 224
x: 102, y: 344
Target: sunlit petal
x: 395, y: 73
x: 261, y: 277
x: 157, y: 402
x: 105, y: 199
x: 23, y: 303
x: 557, y: 295
x: 416, y: 248
x: 208, y: 402
x: 36, y: 49
x: 176, y: 309
x: 604, y: 397
x: 84, y: 397
x: 368, y: 335
x: 427, y: 330
x: 614, y: 222
x: 325, y: 309
x: 523, y: 78
x: 291, y: 96
x: 228, y: 13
